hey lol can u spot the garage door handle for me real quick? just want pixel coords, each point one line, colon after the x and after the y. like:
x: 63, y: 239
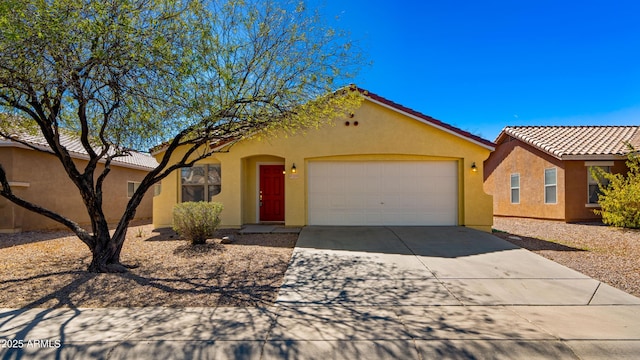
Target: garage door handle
x: 381, y: 203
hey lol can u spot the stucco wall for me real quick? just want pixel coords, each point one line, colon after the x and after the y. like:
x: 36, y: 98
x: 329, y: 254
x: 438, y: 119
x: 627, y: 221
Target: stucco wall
x: 577, y: 208
x: 381, y: 134
x: 8, y: 215
x: 517, y: 157
x: 50, y: 187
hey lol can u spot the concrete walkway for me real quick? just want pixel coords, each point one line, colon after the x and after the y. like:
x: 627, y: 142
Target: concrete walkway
x: 374, y: 293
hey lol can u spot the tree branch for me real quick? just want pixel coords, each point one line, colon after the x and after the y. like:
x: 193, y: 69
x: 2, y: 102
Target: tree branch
x: 7, y: 193
x: 27, y: 144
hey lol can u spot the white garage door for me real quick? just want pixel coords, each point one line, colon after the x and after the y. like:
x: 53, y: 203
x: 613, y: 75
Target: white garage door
x: 383, y: 193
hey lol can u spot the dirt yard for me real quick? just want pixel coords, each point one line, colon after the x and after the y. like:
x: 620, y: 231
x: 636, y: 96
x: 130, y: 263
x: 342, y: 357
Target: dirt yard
x: 611, y: 255
x: 48, y: 269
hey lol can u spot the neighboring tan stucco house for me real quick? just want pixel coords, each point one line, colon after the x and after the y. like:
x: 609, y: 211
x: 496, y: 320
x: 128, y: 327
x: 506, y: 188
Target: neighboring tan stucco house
x: 385, y: 165
x: 40, y: 178
x: 544, y: 171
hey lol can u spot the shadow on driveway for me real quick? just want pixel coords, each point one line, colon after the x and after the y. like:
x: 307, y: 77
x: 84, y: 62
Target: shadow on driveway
x: 438, y: 241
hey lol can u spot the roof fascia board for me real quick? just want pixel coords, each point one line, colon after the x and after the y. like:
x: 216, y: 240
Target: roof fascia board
x: 593, y: 157
x: 428, y: 123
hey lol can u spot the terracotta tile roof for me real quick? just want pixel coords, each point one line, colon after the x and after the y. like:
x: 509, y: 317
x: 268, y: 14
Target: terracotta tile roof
x: 136, y: 160
x: 428, y: 119
x: 576, y: 142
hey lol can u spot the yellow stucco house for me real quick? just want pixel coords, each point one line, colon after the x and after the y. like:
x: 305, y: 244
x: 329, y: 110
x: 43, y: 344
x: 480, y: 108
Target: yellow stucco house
x: 385, y: 165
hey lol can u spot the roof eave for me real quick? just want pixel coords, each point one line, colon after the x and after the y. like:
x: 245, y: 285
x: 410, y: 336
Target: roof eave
x: 570, y: 157
x: 74, y: 155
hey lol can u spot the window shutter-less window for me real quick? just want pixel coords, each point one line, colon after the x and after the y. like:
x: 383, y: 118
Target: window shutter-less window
x: 550, y: 186
x: 515, y: 188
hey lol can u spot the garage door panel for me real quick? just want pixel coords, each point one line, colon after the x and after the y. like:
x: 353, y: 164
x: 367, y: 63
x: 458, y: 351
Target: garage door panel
x: 383, y: 193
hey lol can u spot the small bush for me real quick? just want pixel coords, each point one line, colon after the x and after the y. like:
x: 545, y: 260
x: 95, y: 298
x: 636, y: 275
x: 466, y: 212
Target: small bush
x: 620, y: 198
x: 196, y: 221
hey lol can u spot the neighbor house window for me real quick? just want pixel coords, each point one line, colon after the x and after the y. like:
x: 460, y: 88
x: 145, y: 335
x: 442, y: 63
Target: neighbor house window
x: 594, y: 189
x: 200, y: 182
x: 132, y: 186
x: 515, y: 188
x: 550, y: 186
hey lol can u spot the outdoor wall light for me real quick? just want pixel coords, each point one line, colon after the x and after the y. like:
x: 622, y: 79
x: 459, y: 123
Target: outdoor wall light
x: 293, y: 168
x: 474, y: 168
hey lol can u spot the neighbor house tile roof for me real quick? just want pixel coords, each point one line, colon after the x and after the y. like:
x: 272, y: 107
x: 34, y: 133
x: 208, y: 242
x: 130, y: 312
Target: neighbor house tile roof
x: 576, y: 142
x: 135, y: 160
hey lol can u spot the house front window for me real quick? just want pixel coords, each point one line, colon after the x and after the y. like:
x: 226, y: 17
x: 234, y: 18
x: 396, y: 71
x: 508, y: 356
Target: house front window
x: 132, y: 186
x: 515, y: 188
x: 592, y: 183
x: 200, y: 182
x: 550, y: 186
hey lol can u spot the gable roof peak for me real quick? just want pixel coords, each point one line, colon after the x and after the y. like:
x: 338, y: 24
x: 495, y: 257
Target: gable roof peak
x: 426, y: 118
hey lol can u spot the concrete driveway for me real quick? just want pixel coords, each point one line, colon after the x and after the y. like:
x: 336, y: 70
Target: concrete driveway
x: 365, y: 293
x: 444, y: 292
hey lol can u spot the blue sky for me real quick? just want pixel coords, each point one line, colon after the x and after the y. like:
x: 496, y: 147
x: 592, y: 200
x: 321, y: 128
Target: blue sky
x: 483, y: 65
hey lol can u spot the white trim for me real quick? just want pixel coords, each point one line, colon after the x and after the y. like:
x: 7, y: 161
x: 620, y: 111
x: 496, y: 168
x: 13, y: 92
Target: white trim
x: 511, y: 188
x: 430, y: 123
x: 283, y: 163
x: 555, y: 184
x: 598, y: 163
x: 592, y: 206
x: 19, y: 184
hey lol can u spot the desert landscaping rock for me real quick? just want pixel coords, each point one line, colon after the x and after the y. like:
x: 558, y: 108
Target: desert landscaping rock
x: 608, y: 254
x: 49, y: 269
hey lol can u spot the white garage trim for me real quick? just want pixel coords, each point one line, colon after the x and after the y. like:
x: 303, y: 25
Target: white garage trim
x: 382, y: 193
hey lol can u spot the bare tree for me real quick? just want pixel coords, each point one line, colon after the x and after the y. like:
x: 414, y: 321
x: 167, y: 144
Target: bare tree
x: 190, y: 74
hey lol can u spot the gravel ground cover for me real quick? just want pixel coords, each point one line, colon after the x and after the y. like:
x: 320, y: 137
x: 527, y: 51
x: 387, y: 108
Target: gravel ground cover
x: 608, y: 254
x: 48, y: 269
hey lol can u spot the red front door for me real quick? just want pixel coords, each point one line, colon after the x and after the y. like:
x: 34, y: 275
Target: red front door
x: 271, y: 193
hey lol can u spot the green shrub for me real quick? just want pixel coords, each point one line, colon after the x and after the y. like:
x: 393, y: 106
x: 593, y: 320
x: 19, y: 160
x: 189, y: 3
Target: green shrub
x: 620, y: 198
x: 196, y: 221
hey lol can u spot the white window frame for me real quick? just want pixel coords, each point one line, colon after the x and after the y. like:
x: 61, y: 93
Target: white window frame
x: 136, y: 185
x: 511, y: 187
x: 591, y: 181
x: 555, y: 184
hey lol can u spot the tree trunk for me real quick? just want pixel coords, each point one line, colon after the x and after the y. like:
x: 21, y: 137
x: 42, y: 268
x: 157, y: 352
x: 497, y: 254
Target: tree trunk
x: 106, y: 255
